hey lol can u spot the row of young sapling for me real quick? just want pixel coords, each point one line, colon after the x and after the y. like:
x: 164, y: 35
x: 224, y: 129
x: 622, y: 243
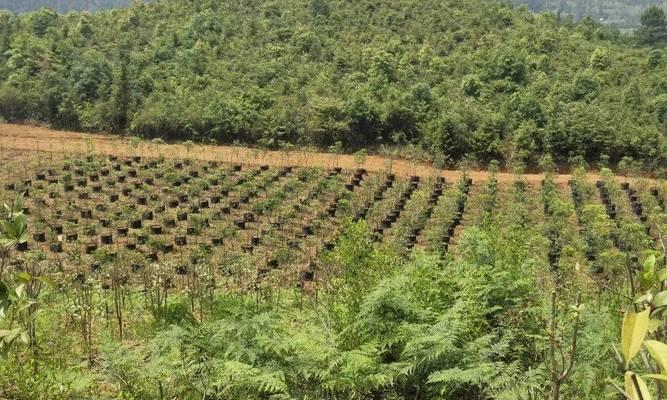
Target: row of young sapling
x: 439, y: 229
x: 193, y: 271
x: 406, y: 231
x: 644, y: 206
x: 489, y: 196
x: 557, y: 213
x: 182, y: 270
x: 648, y: 204
x: 521, y: 198
x: 631, y: 216
x: 447, y: 215
x: 503, y: 207
x: 567, y: 247
x: 392, y: 208
x: 319, y: 209
x: 384, y: 217
x: 370, y: 194
x: 339, y: 206
x: 183, y: 240
x: 399, y: 211
x: 614, y: 240
x: 132, y: 212
x: 516, y: 205
x: 374, y: 197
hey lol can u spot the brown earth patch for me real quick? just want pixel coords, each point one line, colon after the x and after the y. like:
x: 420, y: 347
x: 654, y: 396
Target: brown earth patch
x: 34, y: 138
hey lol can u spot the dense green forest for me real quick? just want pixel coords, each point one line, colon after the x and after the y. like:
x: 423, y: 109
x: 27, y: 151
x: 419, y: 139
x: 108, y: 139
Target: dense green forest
x: 449, y: 78
x: 620, y: 13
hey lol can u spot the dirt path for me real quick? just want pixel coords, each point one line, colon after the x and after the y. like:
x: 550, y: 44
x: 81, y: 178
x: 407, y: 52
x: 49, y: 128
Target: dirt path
x: 33, y: 138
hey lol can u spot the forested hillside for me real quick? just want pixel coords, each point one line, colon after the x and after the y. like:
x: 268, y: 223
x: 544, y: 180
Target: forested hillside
x: 621, y: 13
x: 452, y: 78
x: 62, y: 6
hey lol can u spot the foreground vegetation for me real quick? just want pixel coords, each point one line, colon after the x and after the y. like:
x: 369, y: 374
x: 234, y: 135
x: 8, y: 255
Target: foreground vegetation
x: 150, y: 278
x: 447, y: 79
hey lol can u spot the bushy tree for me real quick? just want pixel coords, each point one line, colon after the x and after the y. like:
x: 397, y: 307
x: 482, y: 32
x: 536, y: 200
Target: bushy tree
x: 471, y: 86
x: 600, y: 59
x: 364, y: 121
x: 654, y: 58
x: 320, y: 7
x: 92, y: 76
x: 525, y: 107
x: 447, y: 135
x: 654, y: 25
x: 42, y: 20
x: 661, y: 108
x: 585, y: 86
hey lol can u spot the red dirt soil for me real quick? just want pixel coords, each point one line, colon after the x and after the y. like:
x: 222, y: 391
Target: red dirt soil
x: 34, y: 138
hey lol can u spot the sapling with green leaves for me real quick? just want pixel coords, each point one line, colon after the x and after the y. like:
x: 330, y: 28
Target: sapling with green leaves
x: 658, y: 221
x: 90, y: 146
x: 114, y: 145
x: 83, y: 309
x: 548, y: 165
x: 578, y: 162
x: 643, y: 331
x: 337, y: 150
x: 158, y: 282
x: 562, y: 352
x: 14, y: 231
x: 33, y: 280
x: 360, y: 157
x: 157, y: 145
x: 134, y: 143
x: 188, y: 144
x: 286, y: 148
x: 202, y: 150
x: 627, y: 167
x: 604, y: 161
x: 117, y: 279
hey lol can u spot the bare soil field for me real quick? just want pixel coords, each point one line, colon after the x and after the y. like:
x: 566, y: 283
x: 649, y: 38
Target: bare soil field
x: 15, y: 138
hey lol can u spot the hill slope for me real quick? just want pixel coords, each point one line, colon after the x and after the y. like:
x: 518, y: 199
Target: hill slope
x: 449, y: 77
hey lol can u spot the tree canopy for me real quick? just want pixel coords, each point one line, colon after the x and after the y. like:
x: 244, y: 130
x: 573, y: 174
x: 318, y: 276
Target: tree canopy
x: 456, y: 79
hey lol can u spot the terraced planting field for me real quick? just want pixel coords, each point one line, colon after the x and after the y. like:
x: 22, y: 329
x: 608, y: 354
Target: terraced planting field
x: 238, y: 226
x: 113, y: 217
x: 119, y: 238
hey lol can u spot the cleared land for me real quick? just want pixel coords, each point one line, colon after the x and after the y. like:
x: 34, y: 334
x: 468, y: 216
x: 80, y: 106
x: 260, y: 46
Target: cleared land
x: 32, y: 138
x: 270, y: 203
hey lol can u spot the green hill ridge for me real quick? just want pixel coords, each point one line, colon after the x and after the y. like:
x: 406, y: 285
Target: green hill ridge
x: 448, y: 78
